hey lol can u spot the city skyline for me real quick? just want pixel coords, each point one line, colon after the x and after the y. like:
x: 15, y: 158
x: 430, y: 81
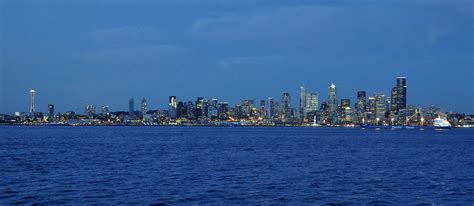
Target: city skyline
x: 295, y: 103
x: 233, y: 50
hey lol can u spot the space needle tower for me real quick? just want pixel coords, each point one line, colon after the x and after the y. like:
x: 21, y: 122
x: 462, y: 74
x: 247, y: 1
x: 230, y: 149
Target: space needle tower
x: 32, y: 106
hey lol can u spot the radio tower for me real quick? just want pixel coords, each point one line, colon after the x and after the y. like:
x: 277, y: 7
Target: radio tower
x: 32, y: 106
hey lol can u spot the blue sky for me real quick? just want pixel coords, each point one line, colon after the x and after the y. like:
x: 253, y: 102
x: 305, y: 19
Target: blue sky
x: 104, y: 52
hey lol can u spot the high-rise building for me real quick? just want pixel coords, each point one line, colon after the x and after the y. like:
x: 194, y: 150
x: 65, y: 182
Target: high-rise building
x: 105, y: 110
x: 302, y: 111
x: 380, y: 106
x: 32, y: 103
x: 50, y: 112
x: 361, y: 99
x: 223, y: 110
x: 262, y: 108
x: 144, y: 107
x: 89, y: 111
x: 172, y: 107
x: 401, y: 93
x: 212, y: 108
x: 181, y: 110
x: 332, y: 103
x: 131, y: 108
x: 311, y: 105
x: 271, y: 107
x: 372, y: 105
x: 190, y: 110
x: 199, y: 111
x: 286, y: 105
x: 345, y: 103
x: 394, y: 100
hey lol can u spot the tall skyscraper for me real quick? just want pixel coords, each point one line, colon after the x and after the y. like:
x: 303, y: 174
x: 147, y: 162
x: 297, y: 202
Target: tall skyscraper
x: 262, y: 108
x: 131, y: 108
x: 332, y: 103
x: 286, y: 105
x: 361, y: 99
x: 144, y: 106
x: 173, y: 105
x: 380, y: 106
x: 312, y: 102
x: 32, y: 103
x: 302, y: 105
x: 271, y: 107
x: 401, y: 93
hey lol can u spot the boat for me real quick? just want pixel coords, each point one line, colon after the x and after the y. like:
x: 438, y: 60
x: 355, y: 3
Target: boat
x: 441, y: 124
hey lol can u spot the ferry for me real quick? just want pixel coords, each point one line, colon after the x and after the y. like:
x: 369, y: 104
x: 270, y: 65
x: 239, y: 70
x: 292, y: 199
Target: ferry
x: 441, y: 124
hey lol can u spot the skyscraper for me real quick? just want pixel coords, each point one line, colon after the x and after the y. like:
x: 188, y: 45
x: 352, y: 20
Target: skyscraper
x: 32, y: 103
x: 262, y: 108
x: 380, y: 106
x: 401, y: 93
x: 286, y: 105
x: 372, y: 105
x: 394, y: 100
x: 361, y: 99
x: 144, y: 106
x: 173, y: 105
x: 332, y: 103
x: 312, y: 102
x: 302, y: 111
x: 131, y: 108
x: 199, y: 107
x: 271, y: 107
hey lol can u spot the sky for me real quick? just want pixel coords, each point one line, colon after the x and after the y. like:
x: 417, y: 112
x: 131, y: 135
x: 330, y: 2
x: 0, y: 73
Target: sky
x: 104, y: 52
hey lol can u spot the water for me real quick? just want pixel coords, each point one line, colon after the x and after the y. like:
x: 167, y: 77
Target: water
x: 205, y: 165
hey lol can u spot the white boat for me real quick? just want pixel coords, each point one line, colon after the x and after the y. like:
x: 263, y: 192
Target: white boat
x: 440, y: 123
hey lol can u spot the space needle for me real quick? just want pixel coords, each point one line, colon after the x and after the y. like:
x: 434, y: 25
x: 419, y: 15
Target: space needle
x: 32, y: 106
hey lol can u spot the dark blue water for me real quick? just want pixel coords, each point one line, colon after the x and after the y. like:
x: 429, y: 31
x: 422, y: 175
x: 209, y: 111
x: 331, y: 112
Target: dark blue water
x: 202, y: 165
